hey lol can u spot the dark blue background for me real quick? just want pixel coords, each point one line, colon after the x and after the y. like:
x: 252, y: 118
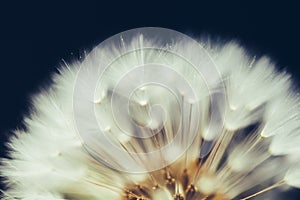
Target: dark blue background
x: 35, y: 37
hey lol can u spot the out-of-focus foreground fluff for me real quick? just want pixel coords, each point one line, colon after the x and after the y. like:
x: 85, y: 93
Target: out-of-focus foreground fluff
x: 152, y: 114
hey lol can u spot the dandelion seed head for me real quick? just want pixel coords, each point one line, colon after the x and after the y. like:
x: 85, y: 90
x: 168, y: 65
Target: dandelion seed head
x: 152, y: 114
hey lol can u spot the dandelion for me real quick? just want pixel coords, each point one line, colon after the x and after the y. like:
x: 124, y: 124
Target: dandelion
x: 153, y: 114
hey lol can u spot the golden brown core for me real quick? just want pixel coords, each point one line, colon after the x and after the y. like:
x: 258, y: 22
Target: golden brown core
x: 174, y: 184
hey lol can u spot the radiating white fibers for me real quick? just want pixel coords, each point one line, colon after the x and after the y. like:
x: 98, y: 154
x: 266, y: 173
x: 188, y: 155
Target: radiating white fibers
x: 154, y: 114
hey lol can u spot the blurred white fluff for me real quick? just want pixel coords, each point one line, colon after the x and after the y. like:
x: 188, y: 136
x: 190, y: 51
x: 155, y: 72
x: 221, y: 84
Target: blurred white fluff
x: 50, y: 161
